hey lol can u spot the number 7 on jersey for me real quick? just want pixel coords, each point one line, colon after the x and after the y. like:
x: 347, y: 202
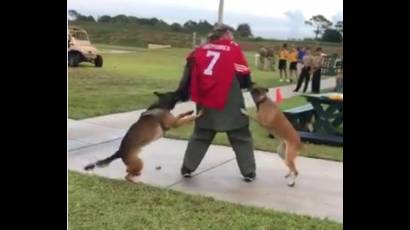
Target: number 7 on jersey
x: 215, y: 56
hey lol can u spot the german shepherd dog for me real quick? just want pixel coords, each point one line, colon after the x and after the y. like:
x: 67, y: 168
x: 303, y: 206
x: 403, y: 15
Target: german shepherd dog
x: 151, y: 126
x: 270, y: 117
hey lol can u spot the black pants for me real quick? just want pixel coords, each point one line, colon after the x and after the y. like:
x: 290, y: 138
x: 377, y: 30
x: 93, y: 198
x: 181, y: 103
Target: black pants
x: 304, y: 76
x: 241, y: 142
x: 339, y: 85
x: 316, y: 81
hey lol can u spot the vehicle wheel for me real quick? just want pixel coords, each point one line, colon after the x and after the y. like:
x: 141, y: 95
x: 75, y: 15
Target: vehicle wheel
x: 98, y: 62
x: 73, y: 59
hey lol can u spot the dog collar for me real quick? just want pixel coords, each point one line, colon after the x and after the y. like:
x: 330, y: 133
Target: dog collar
x: 260, y: 102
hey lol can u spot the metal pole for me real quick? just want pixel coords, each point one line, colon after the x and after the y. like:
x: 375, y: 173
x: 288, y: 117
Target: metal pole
x: 220, y: 12
x: 194, y: 40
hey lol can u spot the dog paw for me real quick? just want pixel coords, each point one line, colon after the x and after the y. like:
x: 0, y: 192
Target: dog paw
x: 291, y: 178
x: 243, y: 111
x: 190, y: 112
x: 129, y: 178
x: 291, y: 184
x: 200, y: 113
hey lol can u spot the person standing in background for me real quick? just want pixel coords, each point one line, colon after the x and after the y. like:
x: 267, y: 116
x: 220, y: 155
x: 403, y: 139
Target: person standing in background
x: 299, y: 66
x: 317, y: 70
x: 339, y: 81
x: 283, y: 57
x: 293, y: 59
x: 262, y: 57
x: 271, y: 59
x: 306, y: 71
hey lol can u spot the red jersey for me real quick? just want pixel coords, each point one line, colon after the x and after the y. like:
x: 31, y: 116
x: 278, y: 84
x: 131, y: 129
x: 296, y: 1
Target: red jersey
x: 214, y: 67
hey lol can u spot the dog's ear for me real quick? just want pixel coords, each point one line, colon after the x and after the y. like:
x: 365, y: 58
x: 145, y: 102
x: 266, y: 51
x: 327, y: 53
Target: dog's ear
x: 251, y: 86
x: 157, y: 94
x: 266, y: 90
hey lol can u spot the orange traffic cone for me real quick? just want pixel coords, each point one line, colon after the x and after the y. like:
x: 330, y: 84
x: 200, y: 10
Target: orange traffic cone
x: 279, y: 97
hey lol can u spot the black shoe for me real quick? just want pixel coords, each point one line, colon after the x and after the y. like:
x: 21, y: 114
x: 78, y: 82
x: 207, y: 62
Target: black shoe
x: 249, y: 177
x: 185, y: 172
x: 295, y: 90
x: 271, y: 136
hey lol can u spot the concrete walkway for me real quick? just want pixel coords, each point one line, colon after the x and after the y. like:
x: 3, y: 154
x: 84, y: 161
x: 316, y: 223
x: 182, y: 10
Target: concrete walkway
x: 318, y: 192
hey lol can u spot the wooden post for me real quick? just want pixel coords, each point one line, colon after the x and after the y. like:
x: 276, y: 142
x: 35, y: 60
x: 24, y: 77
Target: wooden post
x: 193, y: 39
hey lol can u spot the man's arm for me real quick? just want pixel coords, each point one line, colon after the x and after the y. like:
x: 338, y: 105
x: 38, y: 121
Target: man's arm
x: 183, y: 90
x: 242, y: 71
x: 244, y: 80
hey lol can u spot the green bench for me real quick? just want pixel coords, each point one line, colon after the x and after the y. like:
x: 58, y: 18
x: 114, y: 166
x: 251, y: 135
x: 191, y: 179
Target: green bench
x: 300, y: 116
x: 319, y: 138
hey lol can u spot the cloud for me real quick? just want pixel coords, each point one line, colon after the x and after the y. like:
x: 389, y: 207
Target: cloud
x: 289, y: 24
x: 337, y: 17
x: 296, y: 25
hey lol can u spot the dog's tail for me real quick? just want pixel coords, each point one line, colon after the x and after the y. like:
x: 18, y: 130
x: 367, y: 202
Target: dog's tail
x: 103, y: 163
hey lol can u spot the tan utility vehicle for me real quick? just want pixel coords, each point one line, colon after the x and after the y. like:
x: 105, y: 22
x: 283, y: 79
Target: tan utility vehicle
x: 80, y: 48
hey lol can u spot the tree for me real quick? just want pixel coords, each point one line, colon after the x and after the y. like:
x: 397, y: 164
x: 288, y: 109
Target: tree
x: 204, y: 26
x: 332, y: 35
x: 121, y: 19
x: 148, y: 21
x: 90, y: 19
x: 320, y: 23
x: 244, y: 30
x: 153, y: 21
x: 105, y: 19
x: 190, y: 26
x: 176, y: 27
x: 339, y: 27
x: 83, y: 18
x: 162, y: 22
x: 73, y: 14
x: 132, y: 19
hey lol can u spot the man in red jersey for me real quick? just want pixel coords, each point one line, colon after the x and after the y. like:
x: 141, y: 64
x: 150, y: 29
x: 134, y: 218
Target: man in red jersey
x: 214, y: 75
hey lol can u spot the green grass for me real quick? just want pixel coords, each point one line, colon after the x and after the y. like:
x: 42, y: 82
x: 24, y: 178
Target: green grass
x: 104, y: 204
x: 127, y: 80
x: 261, y: 140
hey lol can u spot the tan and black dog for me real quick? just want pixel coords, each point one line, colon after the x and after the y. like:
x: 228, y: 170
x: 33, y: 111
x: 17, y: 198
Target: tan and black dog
x: 150, y: 126
x: 271, y: 117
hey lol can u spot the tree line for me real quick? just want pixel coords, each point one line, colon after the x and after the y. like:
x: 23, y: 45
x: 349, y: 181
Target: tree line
x: 324, y: 29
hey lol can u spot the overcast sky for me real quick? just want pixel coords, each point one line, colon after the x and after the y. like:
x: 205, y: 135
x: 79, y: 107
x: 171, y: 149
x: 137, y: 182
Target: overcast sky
x: 281, y: 19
